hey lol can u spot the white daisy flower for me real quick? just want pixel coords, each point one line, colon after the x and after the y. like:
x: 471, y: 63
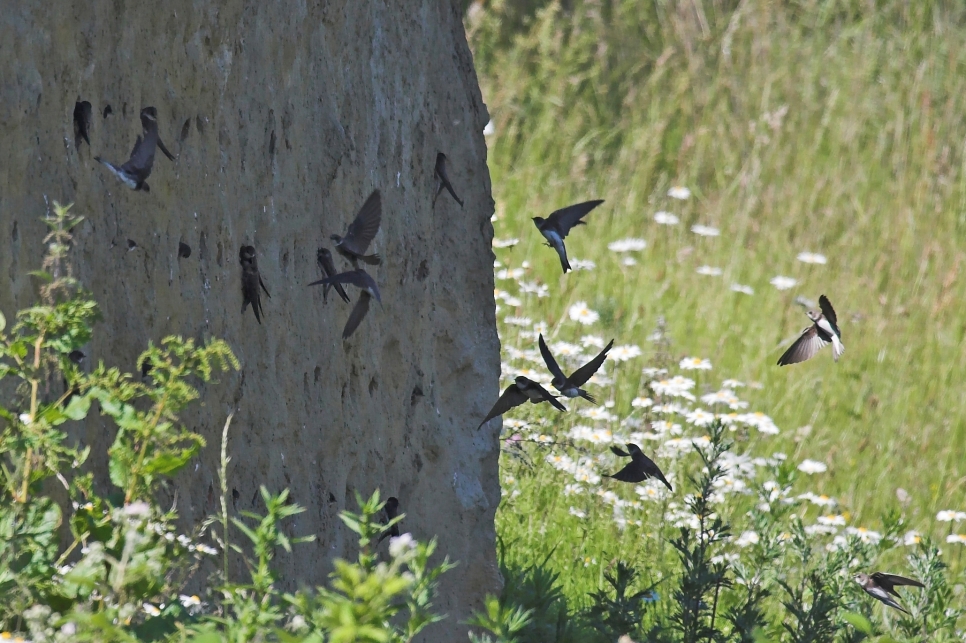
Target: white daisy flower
x: 578, y: 513
x: 812, y: 257
x: 709, y: 271
x: 948, y: 515
x: 679, y: 192
x: 509, y: 273
x: 695, y: 364
x: 641, y: 402
x: 151, y: 610
x: 699, y: 417
x: 705, y: 230
x: 573, y: 489
x: 592, y: 341
x: 732, y: 384
x: 579, y: 312
x: 747, y: 538
x: 582, y: 264
x: 812, y: 466
x: 865, y: 535
x: 628, y: 261
x: 624, y: 353
x: 833, y: 520
x: 666, y: 218
x: 518, y: 321
x: 505, y: 243
x: 627, y: 245
x: 911, y: 538
x: 534, y: 288
x: 512, y: 302
x: 783, y: 283
x: 956, y: 538
x: 745, y: 290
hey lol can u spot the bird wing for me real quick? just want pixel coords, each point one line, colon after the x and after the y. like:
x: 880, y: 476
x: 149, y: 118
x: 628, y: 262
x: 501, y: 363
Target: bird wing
x: 804, y: 347
x: 357, y: 315
x: 511, y: 398
x: 585, y: 372
x: 651, y: 470
x: 630, y: 473
x: 358, y: 278
x: 262, y: 284
x: 888, y: 581
x: 619, y: 451
x: 882, y: 595
x: 550, y: 361
x: 829, y: 312
x: 365, y: 226
x: 566, y: 218
x: 549, y: 397
x: 137, y: 153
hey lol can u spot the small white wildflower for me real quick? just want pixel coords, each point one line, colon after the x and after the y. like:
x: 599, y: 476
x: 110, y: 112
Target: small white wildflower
x: 959, y: 539
x: 783, y: 283
x: 517, y: 321
x: 705, y: 230
x: 911, y: 538
x: 865, y: 535
x: 509, y: 273
x: 206, y: 549
x: 709, y: 271
x: 812, y: 466
x: 628, y: 261
x: 627, y: 245
x: 582, y: 264
x: 505, y: 243
x: 747, y: 538
x: 834, y: 520
x: 400, y: 546
x: 580, y: 313
x: 812, y: 257
x: 679, y: 192
x: 745, y: 290
x: 578, y: 513
x: 624, y: 353
x: 641, y: 402
x: 191, y: 603
x: 151, y: 610
x: 695, y: 364
x: 666, y: 218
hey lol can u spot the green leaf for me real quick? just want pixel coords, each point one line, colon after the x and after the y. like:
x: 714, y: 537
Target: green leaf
x: 859, y: 622
x: 78, y: 407
x: 166, y: 463
x: 119, y: 470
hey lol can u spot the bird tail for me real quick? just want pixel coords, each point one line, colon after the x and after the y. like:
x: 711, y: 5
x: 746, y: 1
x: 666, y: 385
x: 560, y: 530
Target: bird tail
x: 587, y: 396
x: 838, y: 348
x: 564, y: 263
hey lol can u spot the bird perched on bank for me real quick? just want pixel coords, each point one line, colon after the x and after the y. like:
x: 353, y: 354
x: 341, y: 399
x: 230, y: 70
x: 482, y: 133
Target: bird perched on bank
x: 556, y: 227
x: 881, y: 586
x: 324, y: 259
x: 570, y: 386
x: 392, y: 511
x: 442, y: 180
x: 520, y: 391
x: 361, y: 279
x: 823, y: 331
x: 83, y: 116
x: 251, y: 280
x: 361, y: 232
x: 136, y: 171
x: 640, y: 467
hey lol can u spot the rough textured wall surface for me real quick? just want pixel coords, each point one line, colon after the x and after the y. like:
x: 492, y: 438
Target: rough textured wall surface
x: 284, y: 117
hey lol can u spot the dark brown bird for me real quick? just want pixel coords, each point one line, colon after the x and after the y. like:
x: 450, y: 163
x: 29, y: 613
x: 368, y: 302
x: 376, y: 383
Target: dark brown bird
x: 136, y: 171
x: 557, y: 226
x: 83, y: 116
x: 361, y: 279
x: 361, y: 232
x: 570, y: 386
x: 640, y: 467
x: 251, y: 280
x: 442, y: 180
x: 520, y: 391
x: 324, y: 259
x: 880, y: 585
x: 823, y: 331
x: 392, y: 511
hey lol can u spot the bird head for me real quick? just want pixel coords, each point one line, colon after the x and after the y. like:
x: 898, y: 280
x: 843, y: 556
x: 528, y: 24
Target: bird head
x: 149, y: 113
x: 814, y: 315
x: 324, y: 254
x: 633, y: 448
x: 861, y: 579
x: 246, y: 254
x: 538, y: 220
x: 522, y: 382
x: 336, y: 238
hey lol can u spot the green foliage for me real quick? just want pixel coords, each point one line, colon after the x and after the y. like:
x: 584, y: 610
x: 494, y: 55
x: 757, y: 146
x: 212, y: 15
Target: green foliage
x: 123, y: 572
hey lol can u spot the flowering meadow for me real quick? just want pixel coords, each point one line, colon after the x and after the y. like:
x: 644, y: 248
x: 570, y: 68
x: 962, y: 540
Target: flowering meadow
x: 752, y: 157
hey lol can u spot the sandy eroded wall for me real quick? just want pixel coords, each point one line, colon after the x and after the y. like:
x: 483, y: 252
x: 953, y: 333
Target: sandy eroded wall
x: 284, y: 117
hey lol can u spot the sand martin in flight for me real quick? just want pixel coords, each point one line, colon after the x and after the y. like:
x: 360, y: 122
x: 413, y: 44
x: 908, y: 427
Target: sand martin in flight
x: 822, y: 332
x: 570, y: 386
x: 361, y: 233
x: 556, y: 227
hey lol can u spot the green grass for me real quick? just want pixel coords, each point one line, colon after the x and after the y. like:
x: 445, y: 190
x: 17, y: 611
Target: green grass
x: 798, y: 126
